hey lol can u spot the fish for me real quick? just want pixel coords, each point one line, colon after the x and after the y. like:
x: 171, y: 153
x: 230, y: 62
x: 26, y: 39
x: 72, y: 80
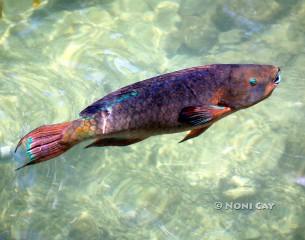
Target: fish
x: 191, y: 99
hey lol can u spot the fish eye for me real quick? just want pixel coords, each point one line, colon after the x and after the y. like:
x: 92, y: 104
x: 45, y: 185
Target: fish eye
x: 252, y: 81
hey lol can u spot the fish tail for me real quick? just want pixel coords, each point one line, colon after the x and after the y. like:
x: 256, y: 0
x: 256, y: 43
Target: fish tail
x: 49, y: 141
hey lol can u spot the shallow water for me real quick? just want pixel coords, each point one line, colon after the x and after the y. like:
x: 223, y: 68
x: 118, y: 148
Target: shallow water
x: 58, y: 58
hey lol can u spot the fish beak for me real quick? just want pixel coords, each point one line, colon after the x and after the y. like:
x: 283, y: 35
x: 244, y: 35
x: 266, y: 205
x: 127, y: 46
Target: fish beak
x: 277, y: 79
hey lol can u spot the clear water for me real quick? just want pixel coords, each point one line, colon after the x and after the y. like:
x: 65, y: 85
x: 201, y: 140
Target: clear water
x: 57, y: 59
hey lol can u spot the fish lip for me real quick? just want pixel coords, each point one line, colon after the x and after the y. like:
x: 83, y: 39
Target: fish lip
x: 278, y: 77
x: 276, y: 83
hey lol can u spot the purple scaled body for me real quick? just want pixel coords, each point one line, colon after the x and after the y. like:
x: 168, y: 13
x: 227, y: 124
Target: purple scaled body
x: 187, y: 100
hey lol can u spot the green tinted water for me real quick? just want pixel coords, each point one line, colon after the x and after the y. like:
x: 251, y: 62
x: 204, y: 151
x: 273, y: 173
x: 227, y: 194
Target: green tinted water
x: 56, y: 60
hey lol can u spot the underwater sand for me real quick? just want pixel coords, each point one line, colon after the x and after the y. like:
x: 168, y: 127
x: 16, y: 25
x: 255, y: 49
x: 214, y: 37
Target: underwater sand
x: 59, y: 58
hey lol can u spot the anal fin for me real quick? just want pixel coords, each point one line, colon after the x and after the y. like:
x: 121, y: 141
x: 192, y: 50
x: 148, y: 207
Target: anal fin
x: 194, y: 133
x: 114, y: 142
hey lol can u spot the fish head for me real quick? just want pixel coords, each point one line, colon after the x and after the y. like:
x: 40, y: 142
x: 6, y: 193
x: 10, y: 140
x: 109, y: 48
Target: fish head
x: 248, y: 84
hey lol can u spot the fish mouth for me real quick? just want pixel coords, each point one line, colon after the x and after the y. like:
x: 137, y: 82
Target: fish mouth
x: 277, y: 79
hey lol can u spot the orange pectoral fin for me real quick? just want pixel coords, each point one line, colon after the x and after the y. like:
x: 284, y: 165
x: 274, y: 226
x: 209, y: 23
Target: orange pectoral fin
x: 219, y: 111
x: 201, y: 115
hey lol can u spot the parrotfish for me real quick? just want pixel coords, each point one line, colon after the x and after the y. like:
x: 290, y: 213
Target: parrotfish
x: 190, y: 100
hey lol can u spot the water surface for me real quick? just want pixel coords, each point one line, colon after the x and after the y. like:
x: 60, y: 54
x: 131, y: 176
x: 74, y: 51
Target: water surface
x: 60, y: 57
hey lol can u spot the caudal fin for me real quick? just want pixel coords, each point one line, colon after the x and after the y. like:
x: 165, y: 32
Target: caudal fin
x: 42, y: 144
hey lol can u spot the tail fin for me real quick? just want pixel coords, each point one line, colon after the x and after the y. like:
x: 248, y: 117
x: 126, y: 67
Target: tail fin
x: 43, y: 143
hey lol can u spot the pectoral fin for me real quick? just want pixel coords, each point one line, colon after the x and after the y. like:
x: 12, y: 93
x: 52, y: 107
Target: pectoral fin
x: 114, y: 142
x: 194, y: 133
x: 201, y: 115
